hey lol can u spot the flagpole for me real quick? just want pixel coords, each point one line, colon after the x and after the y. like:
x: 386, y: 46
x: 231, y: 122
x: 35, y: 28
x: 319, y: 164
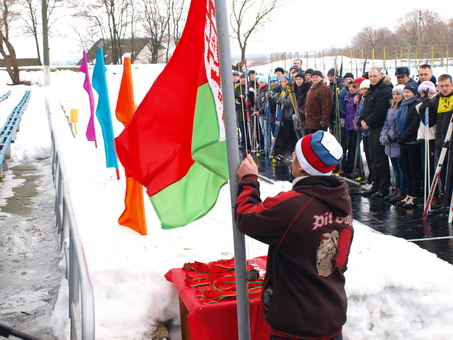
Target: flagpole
x: 233, y: 165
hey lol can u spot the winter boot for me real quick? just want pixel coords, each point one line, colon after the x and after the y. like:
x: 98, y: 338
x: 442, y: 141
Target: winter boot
x: 403, y: 201
x: 411, y: 203
x: 391, y: 195
x: 401, y: 194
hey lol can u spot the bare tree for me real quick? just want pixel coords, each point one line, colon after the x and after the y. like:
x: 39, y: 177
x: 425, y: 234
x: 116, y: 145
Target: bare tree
x: 31, y: 23
x: 368, y: 38
x: 7, y: 16
x: 155, y: 18
x: 178, y: 12
x: 449, y: 35
x: 247, y: 17
x: 108, y: 20
x: 117, y: 25
x: 421, y: 28
x: 133, y: 29
x: 30, y: 18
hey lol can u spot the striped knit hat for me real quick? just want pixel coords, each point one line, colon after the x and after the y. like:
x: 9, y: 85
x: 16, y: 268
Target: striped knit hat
x: 319, y: 153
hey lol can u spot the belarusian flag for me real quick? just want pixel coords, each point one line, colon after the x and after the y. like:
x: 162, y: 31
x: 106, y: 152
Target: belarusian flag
x: 175, y: 142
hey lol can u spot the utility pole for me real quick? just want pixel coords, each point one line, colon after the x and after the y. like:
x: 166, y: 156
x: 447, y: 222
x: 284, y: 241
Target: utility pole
x: 420, y: 23
x: 45, y: 42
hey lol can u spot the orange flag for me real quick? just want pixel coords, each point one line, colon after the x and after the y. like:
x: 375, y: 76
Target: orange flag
x: 134, y: 212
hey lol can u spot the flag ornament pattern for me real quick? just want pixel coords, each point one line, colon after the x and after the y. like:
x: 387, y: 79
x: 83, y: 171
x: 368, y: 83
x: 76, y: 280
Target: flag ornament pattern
x: 175, y: 142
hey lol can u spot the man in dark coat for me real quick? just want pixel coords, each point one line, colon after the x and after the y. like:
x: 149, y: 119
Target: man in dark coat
x: 372, y: 118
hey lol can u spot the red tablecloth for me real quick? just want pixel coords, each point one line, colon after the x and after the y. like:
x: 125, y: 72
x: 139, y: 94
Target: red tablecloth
x: 218, y: 321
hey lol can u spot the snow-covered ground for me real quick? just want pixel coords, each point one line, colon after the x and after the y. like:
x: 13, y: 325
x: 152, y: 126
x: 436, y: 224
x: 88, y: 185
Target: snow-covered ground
x: 396, y: 290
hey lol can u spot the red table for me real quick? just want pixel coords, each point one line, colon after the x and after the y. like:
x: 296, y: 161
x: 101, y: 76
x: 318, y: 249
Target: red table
x: 216, y: 321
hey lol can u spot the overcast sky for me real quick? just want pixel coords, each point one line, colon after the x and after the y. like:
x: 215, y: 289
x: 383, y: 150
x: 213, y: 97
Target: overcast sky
x: 315, y: 25
x: 298, y: 26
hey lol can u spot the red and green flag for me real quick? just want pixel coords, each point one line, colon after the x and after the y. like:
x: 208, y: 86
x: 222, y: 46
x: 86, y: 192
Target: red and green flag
x: 175, y: 142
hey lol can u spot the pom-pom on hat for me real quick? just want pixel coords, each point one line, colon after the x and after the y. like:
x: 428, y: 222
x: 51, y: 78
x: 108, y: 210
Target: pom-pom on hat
x: 319, y: 153
x: 427, y: 86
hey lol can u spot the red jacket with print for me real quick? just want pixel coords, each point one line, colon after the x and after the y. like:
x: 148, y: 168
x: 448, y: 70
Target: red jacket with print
x: 309, y: 233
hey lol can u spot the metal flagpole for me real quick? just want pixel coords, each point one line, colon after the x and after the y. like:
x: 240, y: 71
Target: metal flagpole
x: 233, y: 165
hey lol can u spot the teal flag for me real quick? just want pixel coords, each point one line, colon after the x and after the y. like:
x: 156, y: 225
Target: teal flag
x: 103, y: 112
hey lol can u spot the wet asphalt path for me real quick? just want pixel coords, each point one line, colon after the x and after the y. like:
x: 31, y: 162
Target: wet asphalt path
x: 434, y: 234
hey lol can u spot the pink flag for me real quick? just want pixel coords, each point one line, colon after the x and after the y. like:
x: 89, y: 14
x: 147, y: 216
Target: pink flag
x: 91, y: 132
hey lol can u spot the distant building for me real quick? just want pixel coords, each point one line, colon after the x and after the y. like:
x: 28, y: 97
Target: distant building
x: 24, y: 62
x: 137, y: 49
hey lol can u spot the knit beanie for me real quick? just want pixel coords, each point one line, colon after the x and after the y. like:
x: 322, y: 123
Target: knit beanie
x: 279, y: 69
x: 318, y: 153
x: 299, y: 75
x: 273, y: 78
x: 358, y: 81
x: 427, y: 86
x: 365, y: 84
x: 309, y: 71
x: 348, y: 75
x: 399, y: 89
x: 262, y: 79
x: 317, y: 73
x: 412, y: 86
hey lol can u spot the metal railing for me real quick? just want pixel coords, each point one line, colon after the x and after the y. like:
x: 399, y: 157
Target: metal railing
x: 81, y: 296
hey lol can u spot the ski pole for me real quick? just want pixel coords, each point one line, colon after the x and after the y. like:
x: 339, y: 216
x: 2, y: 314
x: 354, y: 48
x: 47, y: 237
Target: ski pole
x: 427, y: 155
x: 445, y: 147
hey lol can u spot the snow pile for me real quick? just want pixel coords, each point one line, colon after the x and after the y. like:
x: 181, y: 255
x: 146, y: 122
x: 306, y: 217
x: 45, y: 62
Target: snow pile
x: 396, y: 290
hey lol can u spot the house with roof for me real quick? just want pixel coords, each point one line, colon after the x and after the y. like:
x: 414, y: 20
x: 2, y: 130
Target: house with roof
x: 138, y: 49
x: 22, y: 62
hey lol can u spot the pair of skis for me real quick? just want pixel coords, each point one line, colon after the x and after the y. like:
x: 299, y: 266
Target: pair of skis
x: 277, y: 128
x: 298, y: 129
